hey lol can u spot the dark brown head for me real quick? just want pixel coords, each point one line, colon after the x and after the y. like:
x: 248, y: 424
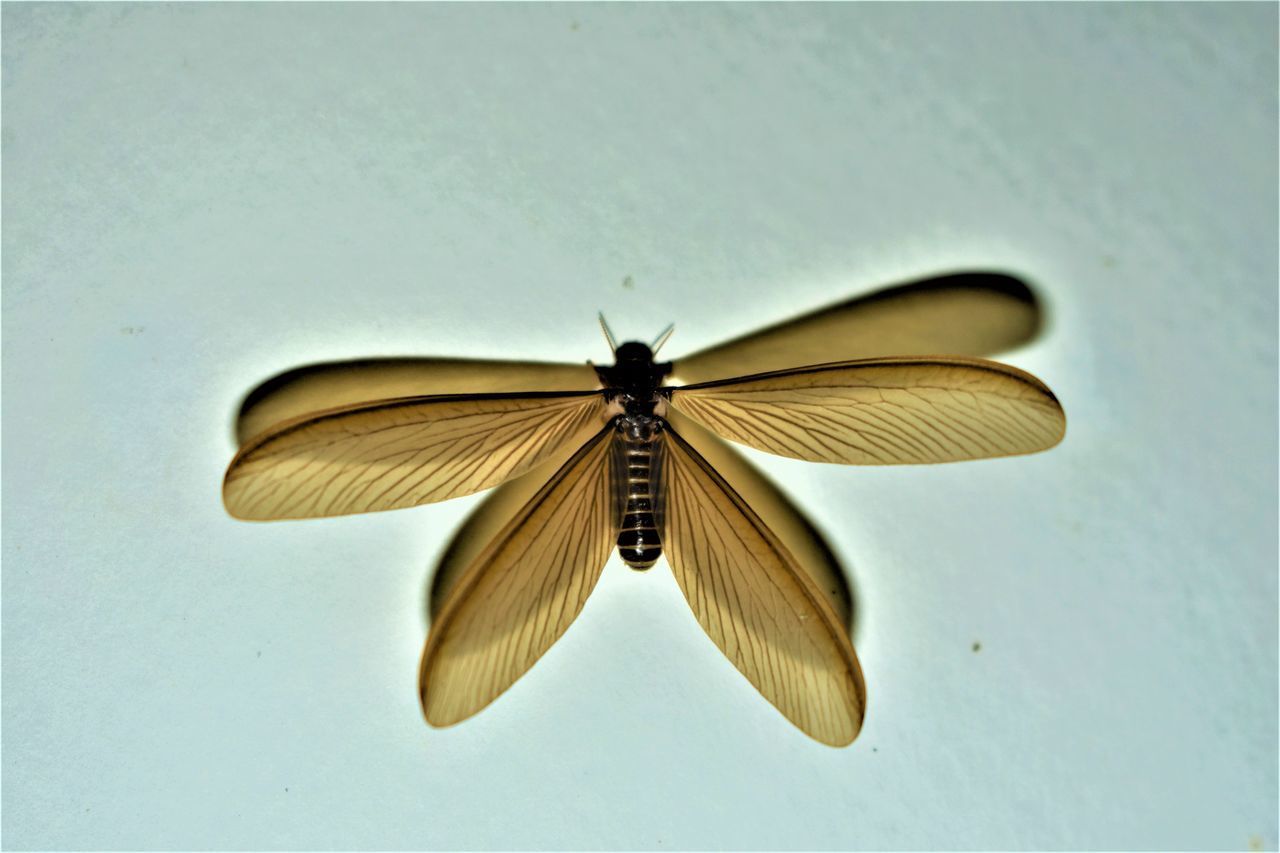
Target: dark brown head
x: 634, y: 372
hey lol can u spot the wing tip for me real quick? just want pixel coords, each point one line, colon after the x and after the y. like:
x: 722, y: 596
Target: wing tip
x: 1056, y: 423
x: 837, y: 734
x: 1061, y: 424
x: 435, y: 717
x: 231, y: 499
x: 437, y: 709
x: 432, y: 712
x: 840, y: 741
x: 443, y: 705
x: 234, y: 503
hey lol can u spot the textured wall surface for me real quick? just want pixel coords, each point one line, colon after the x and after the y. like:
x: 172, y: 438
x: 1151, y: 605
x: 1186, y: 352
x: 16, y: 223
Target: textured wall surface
x: 197, y: 197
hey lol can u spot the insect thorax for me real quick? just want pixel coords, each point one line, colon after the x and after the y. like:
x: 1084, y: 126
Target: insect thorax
x: 634, y: 379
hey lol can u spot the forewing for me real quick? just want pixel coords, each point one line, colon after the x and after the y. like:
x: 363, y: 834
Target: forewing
x: 756, y: 603
x: 331, y: 385
x: 970, y: 313
x: 400, y: 453
x: 521, y: 592
x: 887, y: 411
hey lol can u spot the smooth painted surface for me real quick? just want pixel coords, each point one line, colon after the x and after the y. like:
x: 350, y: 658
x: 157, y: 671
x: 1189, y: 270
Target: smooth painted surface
x: 1076, y: 649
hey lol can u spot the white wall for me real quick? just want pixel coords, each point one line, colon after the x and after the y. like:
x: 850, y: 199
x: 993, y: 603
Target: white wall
x: 197, y: 197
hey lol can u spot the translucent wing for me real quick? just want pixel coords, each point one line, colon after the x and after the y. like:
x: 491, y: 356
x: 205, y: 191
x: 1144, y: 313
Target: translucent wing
x: 522, y: 590
x: 500, y: 505
x: 776, y: 510
x: 972, y: 313
x: 886, y: 411
x: 758, y: 605
x: 400, y: 453
x: 319, y: 387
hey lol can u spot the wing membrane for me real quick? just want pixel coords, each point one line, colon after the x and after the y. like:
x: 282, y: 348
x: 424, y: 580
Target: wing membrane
x: 400, y: 453
x: 882, y: 411
x: 776, y: 510
x: 756, y: 603
x: 331, y: 385
x: 971, y: 314
x: 501, y: 504
x: 522, y: 591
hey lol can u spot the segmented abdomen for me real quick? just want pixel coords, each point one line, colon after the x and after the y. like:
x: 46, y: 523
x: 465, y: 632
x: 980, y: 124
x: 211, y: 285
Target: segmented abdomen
x: 638, y: 542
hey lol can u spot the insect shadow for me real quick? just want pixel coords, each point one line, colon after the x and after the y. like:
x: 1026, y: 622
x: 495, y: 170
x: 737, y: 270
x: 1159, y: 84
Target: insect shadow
x: 869, y: 343
x: 973, y: 313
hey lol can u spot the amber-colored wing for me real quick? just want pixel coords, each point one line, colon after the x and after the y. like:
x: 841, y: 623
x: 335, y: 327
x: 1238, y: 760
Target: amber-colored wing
x: 400, y: 453
x: 501, y: 504
x: 332, y: 385
x: 797, y: 534
x: 968, y: 313
x: 758, y: 605
x: 886, y: 411
x: 519, y: 594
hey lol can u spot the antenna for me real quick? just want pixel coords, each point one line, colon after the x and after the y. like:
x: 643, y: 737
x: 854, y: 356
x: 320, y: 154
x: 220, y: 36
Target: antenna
x: 608, y: 335
x: 662, y: 338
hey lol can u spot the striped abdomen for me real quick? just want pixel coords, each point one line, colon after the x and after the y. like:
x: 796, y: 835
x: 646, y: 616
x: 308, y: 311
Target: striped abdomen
x: 638, y: 447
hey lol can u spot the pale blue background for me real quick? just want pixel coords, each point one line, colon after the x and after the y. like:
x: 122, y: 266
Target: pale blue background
x: 196, y: 197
